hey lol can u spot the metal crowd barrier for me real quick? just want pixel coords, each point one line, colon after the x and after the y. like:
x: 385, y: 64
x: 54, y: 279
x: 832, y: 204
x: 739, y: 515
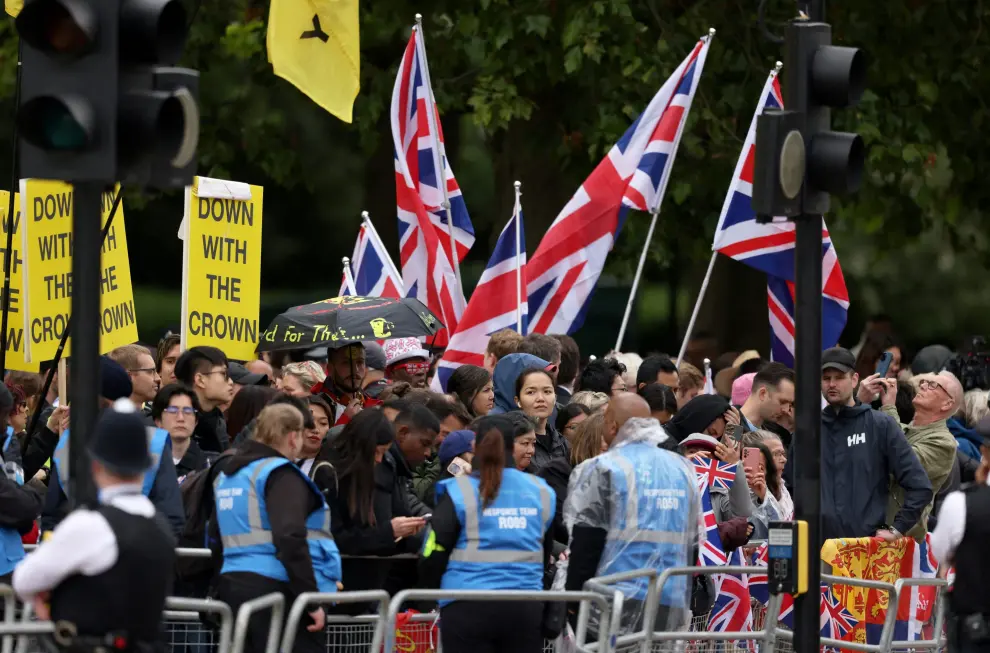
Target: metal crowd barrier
x: 938, y: 631
x: 585, y: 599
x: 181, y: 609
x: 648, y: 635
x: 276, y: 602
x: 379, y: 597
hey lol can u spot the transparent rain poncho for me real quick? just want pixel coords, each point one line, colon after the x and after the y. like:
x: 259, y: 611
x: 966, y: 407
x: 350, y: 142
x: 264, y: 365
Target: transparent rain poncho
x: 647, y: 500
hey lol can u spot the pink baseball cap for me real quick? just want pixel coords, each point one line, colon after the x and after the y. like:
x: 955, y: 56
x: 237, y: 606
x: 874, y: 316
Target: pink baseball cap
x: 742, y: 388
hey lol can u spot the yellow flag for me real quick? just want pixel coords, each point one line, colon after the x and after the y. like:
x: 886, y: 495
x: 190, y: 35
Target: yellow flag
x: 13, y: 7
x: 314, y: 45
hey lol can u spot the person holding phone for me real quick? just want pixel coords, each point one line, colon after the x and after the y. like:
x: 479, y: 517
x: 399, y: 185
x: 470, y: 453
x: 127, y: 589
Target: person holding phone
x: 490, y: 531
x: 764, y: 487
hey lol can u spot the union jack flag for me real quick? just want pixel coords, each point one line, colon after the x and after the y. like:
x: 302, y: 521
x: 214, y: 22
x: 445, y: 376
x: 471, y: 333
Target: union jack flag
x: 836, y: 621
x: 496, y: 302
x: 712, y: 472
x: 562, y: 274
x: 372, y: 270
x: 770, y: 248
x: 710, y: 552
x: 732, y: 611
x: 424, y: 245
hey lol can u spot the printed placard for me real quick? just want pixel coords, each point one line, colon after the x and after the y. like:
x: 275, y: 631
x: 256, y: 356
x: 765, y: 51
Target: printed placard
x: 222, y: 271
x: 47, y: 242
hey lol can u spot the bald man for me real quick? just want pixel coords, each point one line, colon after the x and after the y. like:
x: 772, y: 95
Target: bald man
x: 621, y: 407
x: 633, y: 507
x: 260, y: 367
x: 939, y: 397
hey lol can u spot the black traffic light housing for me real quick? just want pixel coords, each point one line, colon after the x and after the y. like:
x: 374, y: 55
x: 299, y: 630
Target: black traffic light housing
x: 818, y: 77
x: 100, y: 101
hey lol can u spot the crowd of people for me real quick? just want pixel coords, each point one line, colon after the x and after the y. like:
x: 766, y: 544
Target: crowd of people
x: 313, y: 470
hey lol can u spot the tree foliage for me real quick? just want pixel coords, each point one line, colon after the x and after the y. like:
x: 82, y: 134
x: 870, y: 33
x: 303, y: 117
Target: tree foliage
x: 538, y: 90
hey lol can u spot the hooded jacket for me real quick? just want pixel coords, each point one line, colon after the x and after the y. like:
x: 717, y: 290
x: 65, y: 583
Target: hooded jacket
x: 862, y: 450
x: 969, y: 440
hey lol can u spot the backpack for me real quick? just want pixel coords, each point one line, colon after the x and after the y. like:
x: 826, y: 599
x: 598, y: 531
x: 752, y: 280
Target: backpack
x: 198, y: 504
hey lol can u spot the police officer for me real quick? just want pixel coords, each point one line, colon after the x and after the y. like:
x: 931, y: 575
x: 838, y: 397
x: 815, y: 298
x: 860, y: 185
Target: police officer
x: 634, y: 507
x: 159, y: 483
x: 960, y: 538
x: 272, y: 526
x: 103, y: 575
x: 491, y: 531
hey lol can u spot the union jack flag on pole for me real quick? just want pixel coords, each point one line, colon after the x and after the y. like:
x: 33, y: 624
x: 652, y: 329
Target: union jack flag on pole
x: 563, y: 272
x: 429, y: 272
x: 770, y: 248
x: 710, y: 552
x: 498, y: 301
x: 712, y: 472
x: 373, y: 273
x: 732, y: 611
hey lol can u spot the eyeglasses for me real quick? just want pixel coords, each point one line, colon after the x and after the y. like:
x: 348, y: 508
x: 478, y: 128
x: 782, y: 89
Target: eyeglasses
x: 149, y: 370
x: 226, y: 375
x: 186, y: 410
x: 928, y: 384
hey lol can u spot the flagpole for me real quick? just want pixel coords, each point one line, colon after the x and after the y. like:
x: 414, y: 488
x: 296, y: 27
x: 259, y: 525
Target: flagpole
x: 348, y: 277
x: 373, y: 234
x: 655, y: 210
x: 697, y: 309
x: 516, y: 211
x: 439, y: 156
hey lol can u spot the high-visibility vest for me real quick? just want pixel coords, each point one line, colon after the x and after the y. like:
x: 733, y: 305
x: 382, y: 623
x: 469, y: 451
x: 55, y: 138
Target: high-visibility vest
x: 157, y: 439
x: 499, y: 546
x: 651, y: 494
x: 242, y: 517
x: 11, y: 546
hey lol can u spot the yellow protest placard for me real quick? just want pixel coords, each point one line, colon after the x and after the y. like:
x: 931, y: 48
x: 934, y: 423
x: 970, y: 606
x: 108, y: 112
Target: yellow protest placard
x: 15, y: 321
x: 47, y: 243
x: 221, y: 276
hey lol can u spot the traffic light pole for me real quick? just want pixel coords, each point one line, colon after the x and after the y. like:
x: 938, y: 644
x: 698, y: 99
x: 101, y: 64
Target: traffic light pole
x: 808, y: 421
x: 85, y: 370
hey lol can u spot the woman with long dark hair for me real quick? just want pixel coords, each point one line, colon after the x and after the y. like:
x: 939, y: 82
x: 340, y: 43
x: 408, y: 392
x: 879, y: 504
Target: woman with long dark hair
x: 507, y: 514
x: 362, y: 521
x: 474, y: 387
x: 245, y: 407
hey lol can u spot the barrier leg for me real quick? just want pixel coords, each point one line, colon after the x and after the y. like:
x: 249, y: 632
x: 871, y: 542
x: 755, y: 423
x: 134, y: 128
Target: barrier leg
x: 276, y: 602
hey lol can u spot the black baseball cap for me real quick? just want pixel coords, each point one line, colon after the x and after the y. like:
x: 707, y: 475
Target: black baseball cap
x: 241, y: 376
x: 838, y: 358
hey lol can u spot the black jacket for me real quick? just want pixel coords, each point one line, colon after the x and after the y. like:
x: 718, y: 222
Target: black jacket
x: 549, y: 447
x: 290, y: 501
x: 557, y: 474
x: 211, y: 431
x: 405, y: 503
x: 193, y: 460
x: 861, y: 450
x: 358, y: 539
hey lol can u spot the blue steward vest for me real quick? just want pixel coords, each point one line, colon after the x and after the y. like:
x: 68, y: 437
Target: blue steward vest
x: 157, y: 439
x: 10, y: 539
x: 242, y: 517
x: 651, y: 522
x: 14, y: 471
x: 499, y: 547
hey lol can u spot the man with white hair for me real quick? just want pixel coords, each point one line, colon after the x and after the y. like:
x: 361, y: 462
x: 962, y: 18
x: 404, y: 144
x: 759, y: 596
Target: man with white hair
x: 939, y: 397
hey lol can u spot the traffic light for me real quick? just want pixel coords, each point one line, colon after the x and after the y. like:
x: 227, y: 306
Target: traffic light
x: 100, y: 100
x: 818, y: 77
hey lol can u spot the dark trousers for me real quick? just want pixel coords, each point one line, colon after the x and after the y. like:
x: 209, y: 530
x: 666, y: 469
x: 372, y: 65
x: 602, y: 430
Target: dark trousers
x: 960, y: 639
x: 492, y: 627
x: 238, y: 588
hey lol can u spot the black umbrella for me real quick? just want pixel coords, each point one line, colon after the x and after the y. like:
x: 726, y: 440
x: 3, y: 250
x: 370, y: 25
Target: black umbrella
x: 340, y: 320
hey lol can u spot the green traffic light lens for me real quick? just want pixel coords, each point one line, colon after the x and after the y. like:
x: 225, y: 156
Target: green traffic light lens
x: 57, y: 124
x: 60, y: 130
